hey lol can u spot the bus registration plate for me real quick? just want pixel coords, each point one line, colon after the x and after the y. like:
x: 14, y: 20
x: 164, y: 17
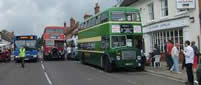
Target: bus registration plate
x: 128, y: 64
x: 26, y: 59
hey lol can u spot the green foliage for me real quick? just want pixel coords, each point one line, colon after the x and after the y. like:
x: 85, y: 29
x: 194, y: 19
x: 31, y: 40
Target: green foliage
x: 39, y: 43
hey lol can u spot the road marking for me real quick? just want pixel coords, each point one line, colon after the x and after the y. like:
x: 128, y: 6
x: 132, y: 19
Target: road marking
x: 132, y: 82
x: 42, y: 66
x: 48, y: 79
x: 46, y: 75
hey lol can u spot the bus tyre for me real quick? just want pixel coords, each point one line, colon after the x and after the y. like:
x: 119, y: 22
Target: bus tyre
x: 107, y: 66
x: 141, y: 68
x: 68, y: 57
x: 35, y: 60
x: 45, y: 58
x: 63, y: 58
x: 82, y: 59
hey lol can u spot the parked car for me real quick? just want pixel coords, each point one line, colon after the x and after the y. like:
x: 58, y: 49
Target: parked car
x: 5, y: 56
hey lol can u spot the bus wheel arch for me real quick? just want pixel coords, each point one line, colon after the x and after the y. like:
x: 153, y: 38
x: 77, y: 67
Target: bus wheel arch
x: 106, y: 63
x: 82, y: 58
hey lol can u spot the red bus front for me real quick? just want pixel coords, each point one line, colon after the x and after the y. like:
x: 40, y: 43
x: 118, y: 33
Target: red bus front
x: 54, y: 40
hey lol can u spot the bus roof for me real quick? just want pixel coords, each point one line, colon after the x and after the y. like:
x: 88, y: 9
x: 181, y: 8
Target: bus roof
x: 114, y: 9
x: 25, y: 35
x: 54, y: 27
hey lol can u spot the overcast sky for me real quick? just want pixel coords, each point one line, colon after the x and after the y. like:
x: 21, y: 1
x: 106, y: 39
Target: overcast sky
x: 31, y: 16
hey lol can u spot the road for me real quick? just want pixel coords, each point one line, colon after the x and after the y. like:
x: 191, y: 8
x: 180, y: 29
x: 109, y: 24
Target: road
x: 73, y: 73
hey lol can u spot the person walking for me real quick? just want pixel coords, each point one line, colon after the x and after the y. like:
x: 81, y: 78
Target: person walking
x: 169, y: 60
x: 69, y: 51
x: 156, y: 52
x: 189, y: 58
x: 195, y: 49
x: 175, y: 57
x: 22, y: 55
x: 4, y: 55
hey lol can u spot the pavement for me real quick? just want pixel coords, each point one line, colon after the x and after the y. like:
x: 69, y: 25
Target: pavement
x: 74, y: 73
x: 163, y: 71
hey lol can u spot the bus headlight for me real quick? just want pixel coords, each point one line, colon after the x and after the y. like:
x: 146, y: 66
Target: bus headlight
x: 35, y: 56
x: 139, y: 57
x: 118, y: 58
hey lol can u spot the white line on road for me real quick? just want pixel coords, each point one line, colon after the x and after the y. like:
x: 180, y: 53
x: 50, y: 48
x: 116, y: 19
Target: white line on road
x: 42, y: 66
x: 46, y: 75
x: 48, y: 79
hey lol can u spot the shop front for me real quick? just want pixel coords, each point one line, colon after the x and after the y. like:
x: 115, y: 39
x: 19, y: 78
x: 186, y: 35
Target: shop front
x: 160, y: 32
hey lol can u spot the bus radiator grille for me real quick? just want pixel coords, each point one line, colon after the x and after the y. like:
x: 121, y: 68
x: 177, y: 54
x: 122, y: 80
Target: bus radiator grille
x: 126, y: 55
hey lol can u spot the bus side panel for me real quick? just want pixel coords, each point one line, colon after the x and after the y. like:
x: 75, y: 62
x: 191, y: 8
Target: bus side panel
x: 93, y: 57
x: 97, y: 31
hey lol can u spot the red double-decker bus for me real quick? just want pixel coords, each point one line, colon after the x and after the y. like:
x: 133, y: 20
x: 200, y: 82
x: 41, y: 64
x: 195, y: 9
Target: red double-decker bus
x: 53, y: 43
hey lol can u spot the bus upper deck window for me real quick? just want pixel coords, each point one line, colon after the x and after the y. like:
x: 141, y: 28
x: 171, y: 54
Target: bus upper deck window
x: 132, y: 16
x: 50, y: 30
x: 118, y: 16
x: 60, y: 30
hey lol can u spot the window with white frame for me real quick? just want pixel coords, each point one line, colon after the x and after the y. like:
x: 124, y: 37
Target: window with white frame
x: 160, y: 38
x: 151, y: 11
x: 164, y: 7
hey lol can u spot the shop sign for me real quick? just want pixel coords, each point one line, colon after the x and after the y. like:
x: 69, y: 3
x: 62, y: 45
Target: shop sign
x: 185, y: 4
x: 165, y: 25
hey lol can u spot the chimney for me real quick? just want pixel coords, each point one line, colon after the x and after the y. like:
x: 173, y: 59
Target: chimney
x: 86, y: 16
x: 72, y: 22
x: 65, y: 24
x: 97, y: 8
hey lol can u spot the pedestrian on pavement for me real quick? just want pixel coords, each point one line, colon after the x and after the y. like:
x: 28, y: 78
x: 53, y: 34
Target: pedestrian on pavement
x: 175, y: 57
x: 4, y: 55
x: 69, y: 50
x: 156, y: 52
x: 195, y: 49
x: 22, y: 55
x: 169, y: 60
x: 189, y: 58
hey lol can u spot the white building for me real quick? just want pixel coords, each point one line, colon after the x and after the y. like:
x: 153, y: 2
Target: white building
x: 5, y: 41
x: 164, y: 20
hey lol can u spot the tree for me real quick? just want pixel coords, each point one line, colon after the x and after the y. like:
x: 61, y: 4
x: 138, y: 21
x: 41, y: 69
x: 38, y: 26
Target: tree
x: 39, y: 43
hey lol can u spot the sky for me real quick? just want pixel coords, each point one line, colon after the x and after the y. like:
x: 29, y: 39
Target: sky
x: 31, y: 16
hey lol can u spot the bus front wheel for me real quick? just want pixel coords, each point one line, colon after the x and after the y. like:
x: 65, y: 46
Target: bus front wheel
x: 107, y: 66
x: 45, y: 58
x: 142, y: 68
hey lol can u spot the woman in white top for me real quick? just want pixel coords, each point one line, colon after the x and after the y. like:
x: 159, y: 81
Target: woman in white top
x: 175, y: 57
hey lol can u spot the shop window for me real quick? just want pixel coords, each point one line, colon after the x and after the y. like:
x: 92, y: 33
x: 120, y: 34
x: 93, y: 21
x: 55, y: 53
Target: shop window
x: 161, y: 38
x: 172, y: 35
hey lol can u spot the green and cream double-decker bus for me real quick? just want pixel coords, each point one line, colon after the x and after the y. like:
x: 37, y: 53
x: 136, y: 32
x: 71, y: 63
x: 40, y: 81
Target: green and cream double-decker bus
x: 112, y: 39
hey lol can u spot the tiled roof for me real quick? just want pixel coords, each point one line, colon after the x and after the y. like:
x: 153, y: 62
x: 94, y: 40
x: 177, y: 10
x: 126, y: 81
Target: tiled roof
x: 6, y: 37
x: 71, y: 30
x: 128, y: 2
